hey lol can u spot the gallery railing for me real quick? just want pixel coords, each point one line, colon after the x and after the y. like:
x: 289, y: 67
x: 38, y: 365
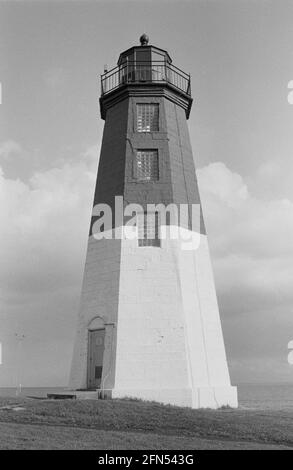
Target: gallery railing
x: 145, y: 72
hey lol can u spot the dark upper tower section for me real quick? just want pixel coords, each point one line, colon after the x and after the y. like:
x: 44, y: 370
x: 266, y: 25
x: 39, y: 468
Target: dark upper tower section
x: 145, y: 69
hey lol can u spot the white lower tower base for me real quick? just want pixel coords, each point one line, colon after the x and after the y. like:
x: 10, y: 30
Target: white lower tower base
x: 163, y: 337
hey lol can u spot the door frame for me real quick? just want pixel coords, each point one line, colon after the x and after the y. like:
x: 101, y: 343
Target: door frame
x: 91, y: 330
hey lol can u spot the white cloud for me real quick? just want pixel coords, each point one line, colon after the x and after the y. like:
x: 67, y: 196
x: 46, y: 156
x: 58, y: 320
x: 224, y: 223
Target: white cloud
x: 252, y: 254
x: 43, y: 224
x: 240, y: 224
x: 8, y: 149
x: 217, y: 180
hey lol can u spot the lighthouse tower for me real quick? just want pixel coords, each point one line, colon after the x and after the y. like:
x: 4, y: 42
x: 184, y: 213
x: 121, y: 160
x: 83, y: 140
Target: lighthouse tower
x: 149, y: 324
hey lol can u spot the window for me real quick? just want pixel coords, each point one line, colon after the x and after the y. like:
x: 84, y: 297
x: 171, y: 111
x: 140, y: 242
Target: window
x: 147, y: 165
x: 147, y: 117
x: 148, y: 230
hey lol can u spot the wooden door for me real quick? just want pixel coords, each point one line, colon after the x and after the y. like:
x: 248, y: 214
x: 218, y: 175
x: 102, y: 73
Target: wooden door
x: 95, y: 358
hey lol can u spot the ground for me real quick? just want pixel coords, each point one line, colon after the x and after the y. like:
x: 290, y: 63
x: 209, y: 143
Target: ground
x: 131, y: 424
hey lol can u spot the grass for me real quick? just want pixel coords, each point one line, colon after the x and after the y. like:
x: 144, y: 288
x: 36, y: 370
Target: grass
x: 132, y: 424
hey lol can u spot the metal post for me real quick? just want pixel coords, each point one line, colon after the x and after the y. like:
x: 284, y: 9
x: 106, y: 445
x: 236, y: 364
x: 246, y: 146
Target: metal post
x: 19, y: 338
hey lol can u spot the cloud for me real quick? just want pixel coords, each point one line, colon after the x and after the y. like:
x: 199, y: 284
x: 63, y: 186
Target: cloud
x: 217, y: 180
x: 252, y: 254
x: 9, y: 149
x: 43, y: 224
x: 254, y: 235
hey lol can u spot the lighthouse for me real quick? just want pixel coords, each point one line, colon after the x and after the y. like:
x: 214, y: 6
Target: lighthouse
x: 149, y: 325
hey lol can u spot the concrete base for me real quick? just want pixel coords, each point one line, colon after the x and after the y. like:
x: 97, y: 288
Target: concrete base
x: 77, y: 394
x: 202, y: 397
x: 87, y: 394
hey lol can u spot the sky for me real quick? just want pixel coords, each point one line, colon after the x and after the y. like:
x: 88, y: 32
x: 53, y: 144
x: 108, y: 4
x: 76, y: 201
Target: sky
x: 240, y: 57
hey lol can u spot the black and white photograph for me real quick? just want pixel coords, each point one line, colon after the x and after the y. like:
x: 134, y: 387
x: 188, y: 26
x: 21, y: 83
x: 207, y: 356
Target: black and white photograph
x: 146, y: 228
